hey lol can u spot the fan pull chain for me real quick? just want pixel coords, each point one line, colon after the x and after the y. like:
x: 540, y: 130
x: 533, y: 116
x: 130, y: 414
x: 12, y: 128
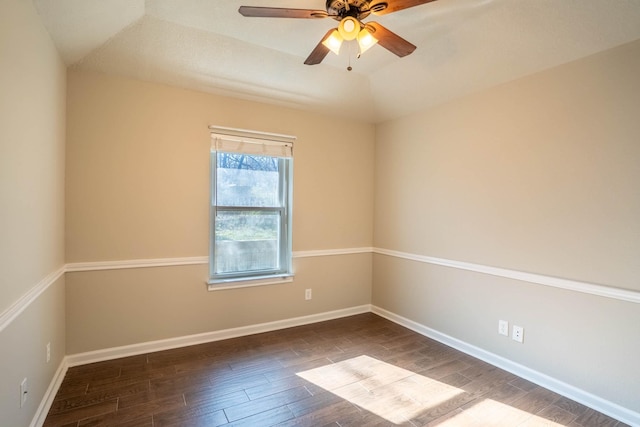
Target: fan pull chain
x: 349, y: 68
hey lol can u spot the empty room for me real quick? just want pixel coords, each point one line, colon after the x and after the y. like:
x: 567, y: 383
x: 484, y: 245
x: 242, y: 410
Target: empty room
x: 321, y: 212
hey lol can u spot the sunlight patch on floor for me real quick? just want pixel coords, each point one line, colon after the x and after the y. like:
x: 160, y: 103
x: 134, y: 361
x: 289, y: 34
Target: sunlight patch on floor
x: 491, y: 413
x: 393, y: 393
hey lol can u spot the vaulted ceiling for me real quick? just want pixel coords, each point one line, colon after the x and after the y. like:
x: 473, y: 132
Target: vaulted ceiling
x: 463, y: 46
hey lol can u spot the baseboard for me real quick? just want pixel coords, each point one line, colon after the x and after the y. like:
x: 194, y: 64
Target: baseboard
x: 592, y: 401
x: 50, y: 394
x: 151, y: 346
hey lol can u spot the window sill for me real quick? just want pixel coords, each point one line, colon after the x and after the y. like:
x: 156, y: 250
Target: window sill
x: 219, y: 285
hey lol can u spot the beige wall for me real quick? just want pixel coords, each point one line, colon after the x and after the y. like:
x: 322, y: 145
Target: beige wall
x: 137, y: 188
x: 120, y: 307
x: 538, y: 175
x: 32, y: 131
x: 32, y: 111
x: 23, y: 354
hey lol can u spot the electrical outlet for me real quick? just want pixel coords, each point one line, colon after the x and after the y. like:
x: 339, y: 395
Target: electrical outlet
x: 48, y: 352
x: 23, y: 392
x: 307, y: 294
x: 503, y: 327
x: 518, y: 333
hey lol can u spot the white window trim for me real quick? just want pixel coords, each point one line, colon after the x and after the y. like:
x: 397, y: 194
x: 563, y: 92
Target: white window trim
x: 275, y: 145
x: 220, y: 285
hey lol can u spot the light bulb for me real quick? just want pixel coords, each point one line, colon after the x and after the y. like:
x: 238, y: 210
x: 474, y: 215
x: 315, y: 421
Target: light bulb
x: 349, y: 28
x: 333, y: 42
x: 366, y: 40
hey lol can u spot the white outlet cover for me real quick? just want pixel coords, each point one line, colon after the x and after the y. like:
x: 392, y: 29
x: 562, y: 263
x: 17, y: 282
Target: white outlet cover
x: 503, y: 327
x: 518, y: 333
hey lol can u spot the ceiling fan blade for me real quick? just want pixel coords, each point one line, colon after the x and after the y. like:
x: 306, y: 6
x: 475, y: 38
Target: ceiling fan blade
x: 394, y: 5
x: 390, y: 40
x: 319, y: 52
x: 280, y: 12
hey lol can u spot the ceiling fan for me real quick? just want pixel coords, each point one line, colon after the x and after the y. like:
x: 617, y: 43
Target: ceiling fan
x: 350, y: 14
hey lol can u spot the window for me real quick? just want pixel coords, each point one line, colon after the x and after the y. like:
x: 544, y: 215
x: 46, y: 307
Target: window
x: 251, y: 187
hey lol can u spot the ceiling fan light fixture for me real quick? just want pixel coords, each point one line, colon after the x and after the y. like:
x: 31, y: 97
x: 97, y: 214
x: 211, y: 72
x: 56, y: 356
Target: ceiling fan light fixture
x: 333, y: 42
x: 349, y: 14
x: 349, y: 28
x: 366, y: 40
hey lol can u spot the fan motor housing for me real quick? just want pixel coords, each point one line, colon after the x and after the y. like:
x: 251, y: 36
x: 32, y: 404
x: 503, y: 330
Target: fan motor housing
x: 358, y: 9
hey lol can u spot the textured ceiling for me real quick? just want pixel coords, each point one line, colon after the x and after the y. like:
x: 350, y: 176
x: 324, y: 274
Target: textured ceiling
x: 463, y: 46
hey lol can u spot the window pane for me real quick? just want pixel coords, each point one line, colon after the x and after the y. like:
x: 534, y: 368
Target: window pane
x: 244, y: 180
x: 247, y: 241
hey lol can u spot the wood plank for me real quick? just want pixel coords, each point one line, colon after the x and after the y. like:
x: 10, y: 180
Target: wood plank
x: 271, y: 417
x: 80, y: 413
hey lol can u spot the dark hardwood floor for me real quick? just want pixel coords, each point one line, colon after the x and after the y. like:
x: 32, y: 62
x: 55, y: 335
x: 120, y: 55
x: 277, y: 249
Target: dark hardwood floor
x: 356, y: 371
